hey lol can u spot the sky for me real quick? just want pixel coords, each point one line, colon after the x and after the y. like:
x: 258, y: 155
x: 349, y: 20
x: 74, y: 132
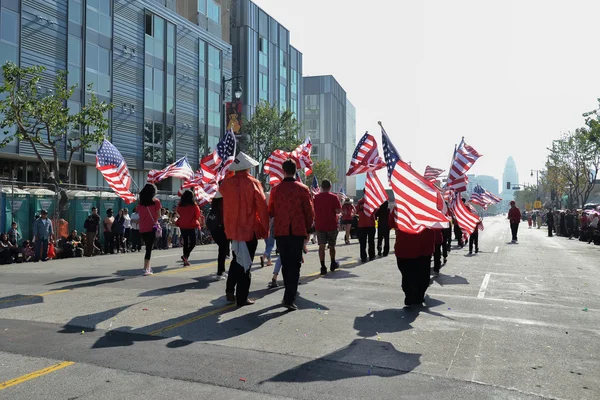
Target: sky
x: 509, y: 76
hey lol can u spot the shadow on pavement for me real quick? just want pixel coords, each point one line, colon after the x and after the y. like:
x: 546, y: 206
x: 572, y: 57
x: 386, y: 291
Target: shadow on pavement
x: 138, y: 271
x: 385, y: 321
x: 443, y: 280
x: 79, y: 279
x: 201, y: 283
x: 19, y: 300
x: 339, y: 274
x: 89, y: 322
x: 91, y: 284
x: 353, y: 361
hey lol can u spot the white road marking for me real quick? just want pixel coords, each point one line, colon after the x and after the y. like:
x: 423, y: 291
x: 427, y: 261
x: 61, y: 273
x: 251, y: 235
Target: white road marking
x: 484, y: 286
x: 496, y: 249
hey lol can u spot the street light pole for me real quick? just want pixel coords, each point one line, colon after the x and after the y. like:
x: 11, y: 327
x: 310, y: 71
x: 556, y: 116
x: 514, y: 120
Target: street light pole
x: 237, y: 94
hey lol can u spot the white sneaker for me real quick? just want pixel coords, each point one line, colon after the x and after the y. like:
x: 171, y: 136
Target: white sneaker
x: 220, y: 278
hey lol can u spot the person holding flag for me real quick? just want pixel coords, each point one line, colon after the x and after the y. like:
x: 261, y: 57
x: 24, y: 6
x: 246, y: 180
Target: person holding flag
x: 348, y: 213
x: 327, y: 208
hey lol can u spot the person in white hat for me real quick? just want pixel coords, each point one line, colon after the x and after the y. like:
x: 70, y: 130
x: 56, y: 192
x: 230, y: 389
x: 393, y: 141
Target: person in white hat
x: 246, y: 221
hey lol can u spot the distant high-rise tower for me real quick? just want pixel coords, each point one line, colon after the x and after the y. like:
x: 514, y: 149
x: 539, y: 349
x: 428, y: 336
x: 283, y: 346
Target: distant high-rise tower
x: 510, y: 176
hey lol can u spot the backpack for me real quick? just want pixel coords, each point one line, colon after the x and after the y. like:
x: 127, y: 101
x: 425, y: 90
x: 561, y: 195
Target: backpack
x: 214, y: 221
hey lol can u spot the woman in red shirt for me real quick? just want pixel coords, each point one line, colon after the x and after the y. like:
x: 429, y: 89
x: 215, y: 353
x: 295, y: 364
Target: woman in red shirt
x: 189, y: 220
x: 366, y: 231
x: 348, y: 212
x: 149, y: 211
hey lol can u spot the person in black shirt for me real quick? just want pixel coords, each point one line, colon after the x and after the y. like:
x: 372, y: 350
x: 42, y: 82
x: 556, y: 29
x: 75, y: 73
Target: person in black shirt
x: 91, y: 231
x: 570, y: 223
x: 383, y: 229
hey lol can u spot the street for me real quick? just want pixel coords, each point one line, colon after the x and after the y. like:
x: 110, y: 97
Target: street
x: 516, y: 321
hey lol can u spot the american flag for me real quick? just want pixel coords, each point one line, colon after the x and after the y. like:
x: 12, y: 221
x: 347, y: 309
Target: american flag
x: 464, y: 158
x: 465, y: 216
x: 483, y: 198
x: 197, y: 180
x: 113, y: 167
x: 389, y: 152
x: 314, y: 187
x: 375, y: 194
x: 215, y: 165
x: 365, y: 157
x: 301, y: 155
x: 342, y: 193
x: 432, y: 174
x: 179, y: 169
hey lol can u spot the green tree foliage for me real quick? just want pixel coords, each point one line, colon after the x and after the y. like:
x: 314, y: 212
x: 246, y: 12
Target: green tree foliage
x: 269, y: 130
x: 524, y: 196
x: 44, y: 121
x: 323, y: 170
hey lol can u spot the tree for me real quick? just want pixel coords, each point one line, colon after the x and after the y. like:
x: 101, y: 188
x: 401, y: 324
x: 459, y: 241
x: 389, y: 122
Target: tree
x: 45, y: 122
x: 574, y: 159
x: 323, y: 170
x: 525, y: 195
x: 269, y: 130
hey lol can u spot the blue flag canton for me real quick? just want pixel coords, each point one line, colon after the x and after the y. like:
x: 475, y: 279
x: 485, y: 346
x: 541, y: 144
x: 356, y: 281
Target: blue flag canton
x: 315, y: 182
x: 389, y: 152
x: 226, y: 147
x: 109, y: 155
x: 478, y: 189
x: 360, y: 143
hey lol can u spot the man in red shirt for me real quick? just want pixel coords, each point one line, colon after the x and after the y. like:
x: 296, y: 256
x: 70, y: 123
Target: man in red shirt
x: 366, y: 231
x: 291, y: 207
x: 327, y: 208
x: 514, y: 216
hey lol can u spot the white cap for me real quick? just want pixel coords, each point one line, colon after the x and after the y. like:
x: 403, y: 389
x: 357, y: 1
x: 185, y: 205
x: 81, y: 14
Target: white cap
x: 218, y: 195
x: 243, y: 162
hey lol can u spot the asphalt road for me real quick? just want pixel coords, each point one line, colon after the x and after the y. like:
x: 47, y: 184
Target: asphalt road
x: 512, y: 322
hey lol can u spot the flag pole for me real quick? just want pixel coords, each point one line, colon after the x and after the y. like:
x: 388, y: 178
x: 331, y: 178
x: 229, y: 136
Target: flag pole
x: 383, y: 130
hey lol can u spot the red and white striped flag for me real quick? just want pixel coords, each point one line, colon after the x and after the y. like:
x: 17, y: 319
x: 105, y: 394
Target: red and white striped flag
x: 464, y: 158
x: 215, y: 165
x: 301, y: 155
x: 365, y: 157
x: 431, y: 173
x: 418, y: 201
x: 375, y: 194
x: 113, y: 167
x: 465, y: 216
x: 482, y: 197
x: 179, y: 169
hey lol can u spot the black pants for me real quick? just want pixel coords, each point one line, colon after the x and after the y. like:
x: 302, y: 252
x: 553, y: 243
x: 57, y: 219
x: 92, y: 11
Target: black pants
x: 437, y: 256
x: 383, y: 235
x: 458, y: 235
x: 550, y: 229
x: 127, y: 238
x: 109, y: 243
x: 415, y: 278
x: 514, y: 228
x: 223, y: 243
x: 570, y: 231
x: 119, y: 243
x: 365, y: 234
x: 240, y: 278
x: 189, y: 241
x: 474, y: 240
x: 447, y: 235
x: 290, y: 251
x: 148, y: 238
x: 136, y: 241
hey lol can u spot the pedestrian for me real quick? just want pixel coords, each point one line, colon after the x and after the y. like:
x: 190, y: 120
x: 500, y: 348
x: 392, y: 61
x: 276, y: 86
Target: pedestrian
x: 383, y: 230
x: 458, y: 235
x: 563, y: 225
x: 539, y: 220
x: 149, y: 212
x: 514, y: 216
x: 550, y: 222
x: 291, y: 207
x: 533, y: 218
x: 188, y: 222
x: 136, y: 243
x: 447, y: 247
x: 570, y: 223
x: 13, y: 234
x: 127, y: 226
x: 214, y: 222
x: 109, y: 237
x: 43, y: 233
x: 273, y: 284
x: 327, y: 207
x: 91, y: 226
x: 413, y: 256
x: 438, y: 251
x: 176, y: 230
x: 366, y: 232
x: 474, y: 239
x: 269, y: 242
x: 164, y: 225
x: 246, y: 221
x: 348, y: 212
x: 118, y: 230
x: 593, y: 227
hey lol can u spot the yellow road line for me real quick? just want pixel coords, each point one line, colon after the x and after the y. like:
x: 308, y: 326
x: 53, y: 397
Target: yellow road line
x: 184, y: 269
x: 35, y: 295
x: 190, y: 320
x: 33, y: 375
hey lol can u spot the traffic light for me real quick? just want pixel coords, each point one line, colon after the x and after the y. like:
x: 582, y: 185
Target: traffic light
x: 507, y: 185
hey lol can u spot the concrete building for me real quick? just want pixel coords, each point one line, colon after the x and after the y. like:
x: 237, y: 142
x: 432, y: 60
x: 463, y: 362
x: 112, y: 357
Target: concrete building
x: 487, y: 182
x: 510, y: 178
x: 162, y: 71
x: 271, y: 67
x: 350, y: 145
x: 325, y: 117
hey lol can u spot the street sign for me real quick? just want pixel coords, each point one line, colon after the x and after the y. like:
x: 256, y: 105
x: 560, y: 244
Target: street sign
x: 528, y: 206
x: 537, y: 205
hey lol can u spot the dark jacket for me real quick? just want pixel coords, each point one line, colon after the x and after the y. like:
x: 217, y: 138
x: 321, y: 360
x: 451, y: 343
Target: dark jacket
x: 91, y: 223
x: 383, y: 214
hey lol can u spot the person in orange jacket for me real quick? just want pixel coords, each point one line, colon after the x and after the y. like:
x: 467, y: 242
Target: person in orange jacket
x: 246, y: 221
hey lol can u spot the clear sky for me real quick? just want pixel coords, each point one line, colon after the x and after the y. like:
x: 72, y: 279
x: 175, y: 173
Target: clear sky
x: 509, y: 76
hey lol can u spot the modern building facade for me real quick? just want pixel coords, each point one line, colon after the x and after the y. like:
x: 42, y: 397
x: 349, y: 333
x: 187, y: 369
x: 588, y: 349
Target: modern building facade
x: 510, y: 178
x: 487, y: 182
x: 262, y: 54
x: 162, y: 71
x: 325, y: 118
x: 350, y: 145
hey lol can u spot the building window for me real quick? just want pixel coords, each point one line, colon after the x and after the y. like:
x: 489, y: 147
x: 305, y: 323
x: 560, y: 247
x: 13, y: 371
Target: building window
x: 294, y: 78
x: 201, y: 60
x: 263, y: 52
x: 98, y: 16
x: 214, y: 110
x: 214, y: 65
x: 9, y: 36
x: 202, y: 105
x: 282, y: 64
x: 294, y: 107
x: 155, y: 36
x: 171, y: 93
x: 97, y: 68
x: 154, y: 88
x: 169, y: 145
x: 202, y: 7
x: 74, y: 59
x: 311, y: 104
x: 170, y: 43
x: 75, y: 11
x: 153, y: 141
x: 213, y: 11
x: 263, y: 87
x: 282, y: 98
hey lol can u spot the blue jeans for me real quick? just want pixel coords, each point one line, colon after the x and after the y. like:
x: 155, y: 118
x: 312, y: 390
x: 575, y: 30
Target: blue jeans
x: 269, y: 244
x: 41, y: 249
x: 277, y: 267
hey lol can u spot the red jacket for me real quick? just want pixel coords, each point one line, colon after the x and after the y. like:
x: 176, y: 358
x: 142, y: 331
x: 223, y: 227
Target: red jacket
x: 291, y: 207
x: 364, y: 221
x: 189, y: 217
x: 411, y: 246
x: 514, y: 215
x: 439, y: 238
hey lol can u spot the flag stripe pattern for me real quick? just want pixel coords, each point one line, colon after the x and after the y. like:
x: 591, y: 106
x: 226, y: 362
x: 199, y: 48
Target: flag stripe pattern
x: 483, y: 198
x: 464, y: 158
x: 365, y: 157
x: 314, y: 187
x: 375, y: 194
x: 301, y: 154
x: 215, y: 165
x: 465, y: 216
x: 432, y: 174
x: 418, y: 201
x: 179, y: 169
x: 389, y: 152
x: 113, y: 167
